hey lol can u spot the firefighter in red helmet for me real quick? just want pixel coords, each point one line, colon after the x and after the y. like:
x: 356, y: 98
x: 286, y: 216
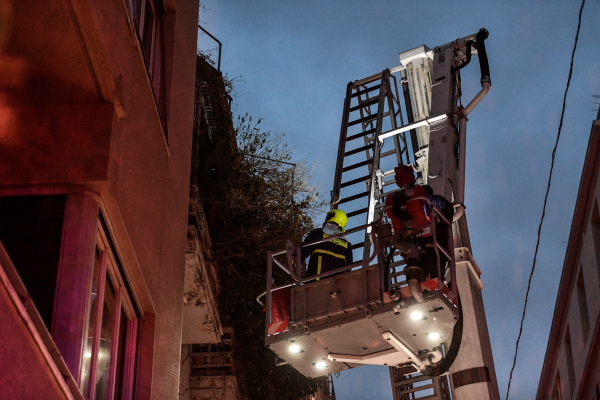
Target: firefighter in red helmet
x: 407, y: 217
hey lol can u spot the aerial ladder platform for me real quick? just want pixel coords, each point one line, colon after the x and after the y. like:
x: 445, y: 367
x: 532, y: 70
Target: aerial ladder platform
x: 431, y: 333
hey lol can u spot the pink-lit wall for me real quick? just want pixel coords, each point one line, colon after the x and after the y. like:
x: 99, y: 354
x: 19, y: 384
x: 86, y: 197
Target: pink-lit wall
x: 77, y: 109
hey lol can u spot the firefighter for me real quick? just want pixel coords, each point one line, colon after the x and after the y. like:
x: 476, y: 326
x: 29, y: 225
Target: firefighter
x: 330, y: 255
x: 407, y: 217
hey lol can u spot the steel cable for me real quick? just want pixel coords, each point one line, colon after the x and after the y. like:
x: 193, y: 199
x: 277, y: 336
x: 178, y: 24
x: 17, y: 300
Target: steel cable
x: 545, y: 200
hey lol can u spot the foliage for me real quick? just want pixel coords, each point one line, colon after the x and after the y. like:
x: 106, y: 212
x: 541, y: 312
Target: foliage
x: 207, y: 55
x: 255, y: 200
x: 228, y: 83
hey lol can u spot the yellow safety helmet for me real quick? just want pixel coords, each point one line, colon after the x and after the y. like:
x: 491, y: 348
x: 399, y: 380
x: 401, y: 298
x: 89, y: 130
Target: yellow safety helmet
x: 337, y: 216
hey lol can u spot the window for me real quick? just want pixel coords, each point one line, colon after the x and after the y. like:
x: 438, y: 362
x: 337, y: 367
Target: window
x: 583, y: 306
x: 60, y: 246
x: 109, y: 363
x: 569, y: 357
x: 148, y: 18
x: 31, y: 231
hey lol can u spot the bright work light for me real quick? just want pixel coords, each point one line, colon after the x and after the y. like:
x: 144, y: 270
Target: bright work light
x: 433, y: 335
x: 416, y: 315
x: 320, y: 365
x: 295, y: 348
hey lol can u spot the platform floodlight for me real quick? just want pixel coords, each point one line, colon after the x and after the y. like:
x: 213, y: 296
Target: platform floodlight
x: 433, y: 335
x: 320, y: 365
x: 417, y: 315
x: 295, y: 348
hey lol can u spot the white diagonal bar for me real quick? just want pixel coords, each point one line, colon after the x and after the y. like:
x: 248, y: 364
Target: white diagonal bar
x: 405, y: 128
x: 398, y: 345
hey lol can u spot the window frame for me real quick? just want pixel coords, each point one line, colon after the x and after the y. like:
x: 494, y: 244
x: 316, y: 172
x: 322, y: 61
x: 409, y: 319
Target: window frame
x: 123, y: 304
x: 85, y: 213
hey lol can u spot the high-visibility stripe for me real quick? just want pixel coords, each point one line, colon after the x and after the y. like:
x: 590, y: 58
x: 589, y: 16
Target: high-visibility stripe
x: 339, y: 242
x: 343, y: 257
x: 318, y: 265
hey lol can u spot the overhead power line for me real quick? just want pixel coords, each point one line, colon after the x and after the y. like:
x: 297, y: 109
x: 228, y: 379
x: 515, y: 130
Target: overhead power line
x: 537, y: 245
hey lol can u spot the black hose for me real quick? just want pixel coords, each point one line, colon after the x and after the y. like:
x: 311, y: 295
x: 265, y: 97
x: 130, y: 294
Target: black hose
x: 484, y: 65
x: 482, y: 55
x: 452, y: 352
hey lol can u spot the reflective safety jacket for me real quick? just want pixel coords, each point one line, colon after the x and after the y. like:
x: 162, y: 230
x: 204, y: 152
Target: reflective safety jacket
x: 326, y: 256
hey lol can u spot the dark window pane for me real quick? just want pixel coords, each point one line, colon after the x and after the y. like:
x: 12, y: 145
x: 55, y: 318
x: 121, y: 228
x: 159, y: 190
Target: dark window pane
x: 31, y: 232
x: 148, y: 29
x: 134, y: 6
x: 583, y: 306
x: 120, y: 356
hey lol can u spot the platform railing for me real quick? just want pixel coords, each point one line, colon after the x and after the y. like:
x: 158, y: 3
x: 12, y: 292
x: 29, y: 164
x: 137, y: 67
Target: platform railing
x: 437, y: 246
x: 294, y: 267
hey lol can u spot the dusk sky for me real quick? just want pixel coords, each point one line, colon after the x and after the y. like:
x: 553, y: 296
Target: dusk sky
x: 295, y: 59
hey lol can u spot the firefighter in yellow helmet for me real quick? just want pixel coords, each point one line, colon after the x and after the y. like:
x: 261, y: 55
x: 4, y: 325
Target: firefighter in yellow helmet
x: 327, y: 256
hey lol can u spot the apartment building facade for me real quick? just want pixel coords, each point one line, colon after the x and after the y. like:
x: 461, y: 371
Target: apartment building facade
x: 571, y: 367
x: 96, y: 117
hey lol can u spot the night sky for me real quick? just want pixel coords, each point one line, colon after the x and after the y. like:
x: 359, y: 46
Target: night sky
x: 297, y: 57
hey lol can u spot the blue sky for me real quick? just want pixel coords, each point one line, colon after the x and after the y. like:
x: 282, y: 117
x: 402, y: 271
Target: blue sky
x: 297, y: 57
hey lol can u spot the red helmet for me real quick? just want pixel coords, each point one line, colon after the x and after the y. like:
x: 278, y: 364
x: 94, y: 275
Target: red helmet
x: 404, y: 175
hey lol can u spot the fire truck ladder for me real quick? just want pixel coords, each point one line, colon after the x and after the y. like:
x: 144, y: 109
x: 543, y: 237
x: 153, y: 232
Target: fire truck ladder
x: 418, y: 386
x: 353, y: 317
x: 371, y: 104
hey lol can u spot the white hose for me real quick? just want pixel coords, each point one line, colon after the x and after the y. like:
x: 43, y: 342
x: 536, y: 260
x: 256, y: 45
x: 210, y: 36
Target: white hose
x: 415, y: 290
x: 459, y: 211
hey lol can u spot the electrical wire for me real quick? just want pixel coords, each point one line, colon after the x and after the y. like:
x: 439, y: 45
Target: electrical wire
x: 545, y: 200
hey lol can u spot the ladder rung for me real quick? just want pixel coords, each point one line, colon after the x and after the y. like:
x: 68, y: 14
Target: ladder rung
x: 415, y: 379
x: 397, y: 264
x: 387, y: 153
x: 418, y: 389
x: 353, y: 181
x: 367, y: 147
x: 368, y: 118
x: 367, y: 103
x: 359, y: 135
x: 363, y: 119
x: 357, y: 212
x: 357, y: 245
x: 354, y: 166
x: 356, y: 196
x: 367, y: 90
